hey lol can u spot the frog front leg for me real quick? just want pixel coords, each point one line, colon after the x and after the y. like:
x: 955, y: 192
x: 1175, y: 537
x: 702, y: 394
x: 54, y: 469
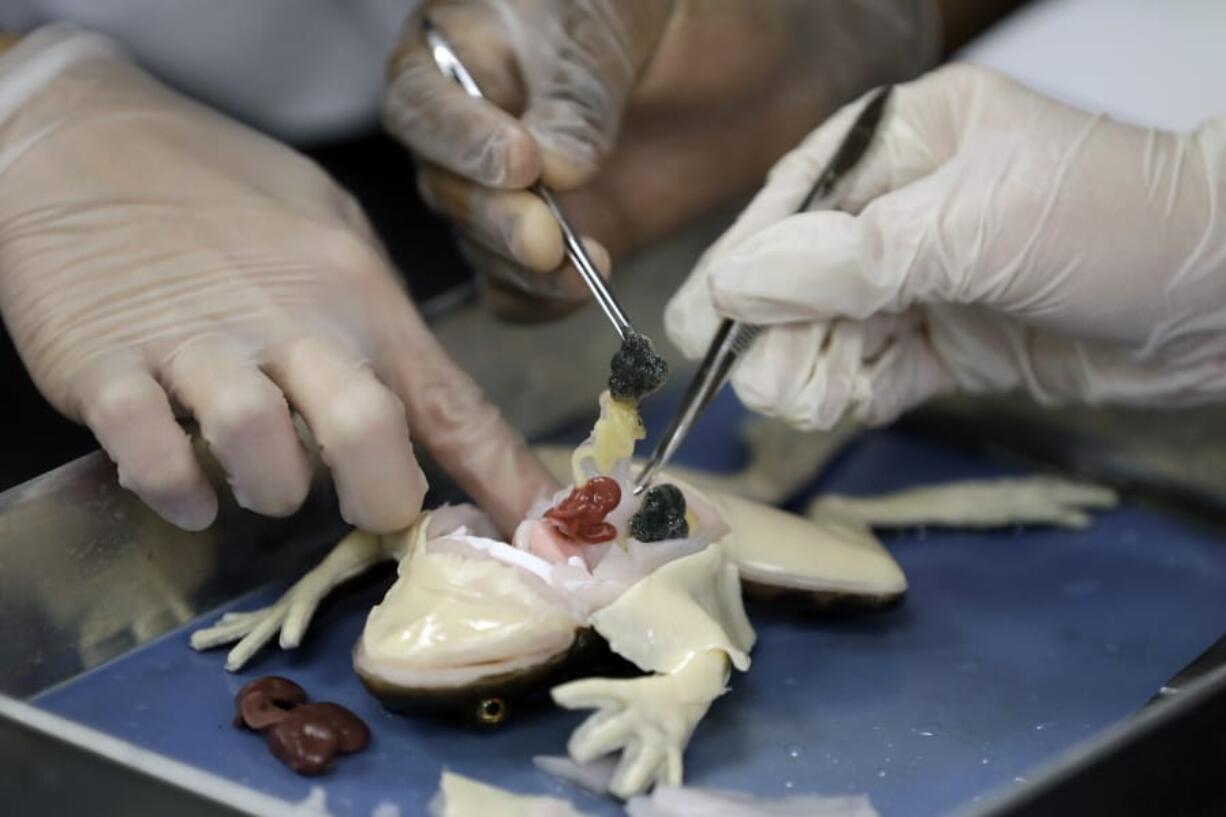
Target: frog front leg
x: 684, y: 623
x: 292, y: 613
x: 648, y: 720
x: 974, y: 504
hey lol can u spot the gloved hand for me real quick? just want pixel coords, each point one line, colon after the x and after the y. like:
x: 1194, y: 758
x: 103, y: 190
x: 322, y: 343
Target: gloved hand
x: 993, y: 239
x: 158, y: 259
x: 649, y: 111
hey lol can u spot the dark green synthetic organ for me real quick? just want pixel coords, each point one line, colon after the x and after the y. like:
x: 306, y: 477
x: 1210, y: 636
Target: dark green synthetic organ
x: 637, y: 370
x: 661, y: 516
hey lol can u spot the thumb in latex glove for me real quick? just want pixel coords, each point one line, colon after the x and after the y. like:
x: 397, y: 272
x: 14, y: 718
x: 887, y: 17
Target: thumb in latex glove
x: 157, y: 259
x: 993, y: 239
x: 650, y: 112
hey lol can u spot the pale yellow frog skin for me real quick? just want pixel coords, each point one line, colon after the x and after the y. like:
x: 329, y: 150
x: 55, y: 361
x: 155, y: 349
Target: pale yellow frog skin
x: 459, y: 625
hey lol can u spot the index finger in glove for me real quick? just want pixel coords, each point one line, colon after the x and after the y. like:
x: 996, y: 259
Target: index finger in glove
x: 453, y: 420
x: 432, y: 115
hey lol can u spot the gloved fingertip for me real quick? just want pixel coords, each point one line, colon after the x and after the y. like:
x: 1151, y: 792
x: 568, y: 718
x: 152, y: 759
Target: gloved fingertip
x: 174, y: 487
x: 280, y: 499
x: 536, y: 239
x: 689, y: 322
x: 600, y: 256
x: 567, y: 163
x: 827, y: 410
x: 191, y: 511
x: 197, y: 516
x: 516, y: 161
x: 752, y: 396
x: 391, y: 510
x: 733, y: 296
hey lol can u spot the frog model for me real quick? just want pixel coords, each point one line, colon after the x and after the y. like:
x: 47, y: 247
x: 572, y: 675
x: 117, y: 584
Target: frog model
x: 473, y: 622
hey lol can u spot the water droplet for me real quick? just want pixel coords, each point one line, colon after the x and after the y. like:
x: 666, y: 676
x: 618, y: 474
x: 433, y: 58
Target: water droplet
x: 1019, y: 779
x: 881, y: 772
x: 1039, y: 727
x: 787, y: 784
x: 927, y: 734
x: 985, y: 761
x: 794, y: 751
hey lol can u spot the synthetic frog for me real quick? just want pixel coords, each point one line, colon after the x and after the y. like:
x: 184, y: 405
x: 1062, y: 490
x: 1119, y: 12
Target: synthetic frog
x: 474, y: 622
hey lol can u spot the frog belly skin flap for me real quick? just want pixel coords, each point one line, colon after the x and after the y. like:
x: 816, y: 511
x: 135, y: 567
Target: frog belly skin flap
x: 473, y: 622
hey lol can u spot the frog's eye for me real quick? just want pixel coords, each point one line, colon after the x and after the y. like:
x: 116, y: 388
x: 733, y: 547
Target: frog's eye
x: 491, y: 711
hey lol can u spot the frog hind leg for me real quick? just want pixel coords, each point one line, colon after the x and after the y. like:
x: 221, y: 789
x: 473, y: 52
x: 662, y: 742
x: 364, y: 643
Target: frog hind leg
x: 829, y: 563
x: 992, y: 503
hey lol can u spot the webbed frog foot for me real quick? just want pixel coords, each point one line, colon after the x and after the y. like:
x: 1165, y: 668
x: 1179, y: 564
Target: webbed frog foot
x: 648, y: 720
x: 292, y: 613
x: 975, y: 504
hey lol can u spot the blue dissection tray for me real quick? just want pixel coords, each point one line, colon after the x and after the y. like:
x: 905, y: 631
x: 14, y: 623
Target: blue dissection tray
x: 1011, y: 646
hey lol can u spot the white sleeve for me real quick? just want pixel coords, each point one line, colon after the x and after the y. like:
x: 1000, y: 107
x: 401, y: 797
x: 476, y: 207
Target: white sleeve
x: 302, y: 70
x: 1149, y: 62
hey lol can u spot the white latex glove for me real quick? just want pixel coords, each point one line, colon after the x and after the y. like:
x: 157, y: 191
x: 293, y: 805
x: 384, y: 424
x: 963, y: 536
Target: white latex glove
x: 649, y: 111
x: 158, y: 259
x: 994, y: 239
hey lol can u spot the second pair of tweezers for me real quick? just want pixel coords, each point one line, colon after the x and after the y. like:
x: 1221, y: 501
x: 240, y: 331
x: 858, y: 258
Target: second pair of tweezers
x: 733, y: 338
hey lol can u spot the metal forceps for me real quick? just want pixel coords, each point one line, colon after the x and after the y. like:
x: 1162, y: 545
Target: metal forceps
x: 449, y: 63
x: 733, y: 338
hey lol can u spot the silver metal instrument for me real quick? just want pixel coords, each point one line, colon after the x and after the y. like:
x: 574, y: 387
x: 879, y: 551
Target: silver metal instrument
x: 733, y: 338
x: 449, y: 63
